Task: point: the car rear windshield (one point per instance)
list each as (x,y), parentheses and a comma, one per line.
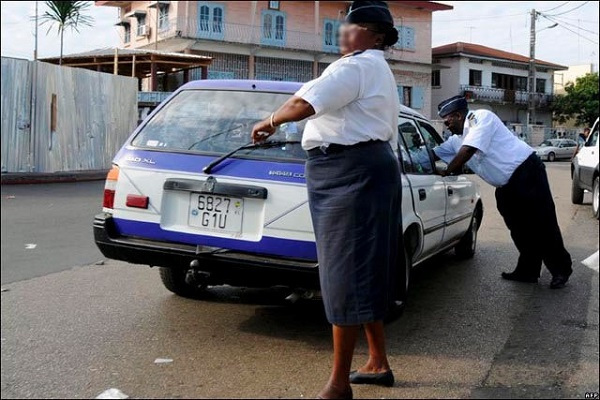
(214,122)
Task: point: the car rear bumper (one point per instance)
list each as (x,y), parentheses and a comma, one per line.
(224,266)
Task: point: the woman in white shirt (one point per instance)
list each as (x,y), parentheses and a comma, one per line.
(354,189)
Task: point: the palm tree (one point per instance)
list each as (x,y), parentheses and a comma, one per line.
(66,14)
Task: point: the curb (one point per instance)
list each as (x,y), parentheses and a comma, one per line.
(22,178)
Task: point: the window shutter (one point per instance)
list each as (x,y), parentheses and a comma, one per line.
(408,38)
(400,94)
(418,94)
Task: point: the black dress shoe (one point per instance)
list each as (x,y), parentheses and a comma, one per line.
(559,281)
(519,277)
(381,379)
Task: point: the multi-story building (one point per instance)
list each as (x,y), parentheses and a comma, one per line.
(495,80)
(276,40)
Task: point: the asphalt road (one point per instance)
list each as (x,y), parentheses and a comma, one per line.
(74,330)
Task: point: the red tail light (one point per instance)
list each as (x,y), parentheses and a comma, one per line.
(109,198)
(137,201)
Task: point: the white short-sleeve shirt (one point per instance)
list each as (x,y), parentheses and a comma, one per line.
(355,100)
(499,151)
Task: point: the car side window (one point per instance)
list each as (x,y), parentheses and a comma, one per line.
(593,138)
(431,136)
(420,157)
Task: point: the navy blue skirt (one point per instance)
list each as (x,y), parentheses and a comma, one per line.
(354,198)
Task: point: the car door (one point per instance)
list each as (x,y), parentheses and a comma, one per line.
(458,191)
(428,188)
(569,148)
(587,159)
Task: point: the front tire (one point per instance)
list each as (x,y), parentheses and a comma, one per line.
(576,191)
(595,200)
(551,157)
(468,244)
(174,280)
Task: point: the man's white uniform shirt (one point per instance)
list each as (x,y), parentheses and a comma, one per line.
(499,152)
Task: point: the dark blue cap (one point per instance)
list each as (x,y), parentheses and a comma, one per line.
(452,104)
(369,12)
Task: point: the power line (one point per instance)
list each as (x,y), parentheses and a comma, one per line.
(577,33)
(555,19)
(572,9)
(554,8)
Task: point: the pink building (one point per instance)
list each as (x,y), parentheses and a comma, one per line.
(276,40)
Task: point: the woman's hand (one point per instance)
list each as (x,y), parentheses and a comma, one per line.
(262,130)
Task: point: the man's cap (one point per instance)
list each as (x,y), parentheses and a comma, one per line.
(452,104)
(369,12)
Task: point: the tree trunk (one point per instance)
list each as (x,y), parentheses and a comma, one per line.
(62,32)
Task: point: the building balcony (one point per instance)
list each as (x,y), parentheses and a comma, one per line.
(486,94)
(245,34)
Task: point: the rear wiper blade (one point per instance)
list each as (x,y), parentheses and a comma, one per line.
(264,145)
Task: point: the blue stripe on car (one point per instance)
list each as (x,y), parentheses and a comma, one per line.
(267,245)
(238,167)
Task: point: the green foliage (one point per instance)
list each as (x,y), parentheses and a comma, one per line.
(579,102)
(66,14)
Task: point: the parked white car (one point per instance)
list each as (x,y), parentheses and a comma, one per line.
(555,149)
(189,194)
(584,171)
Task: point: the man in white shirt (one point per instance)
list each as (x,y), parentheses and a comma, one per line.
(486,146)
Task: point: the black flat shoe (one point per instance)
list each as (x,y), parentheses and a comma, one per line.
(559,281)
(380,379)
(518,277)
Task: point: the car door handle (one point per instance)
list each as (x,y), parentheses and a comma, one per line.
(450,190)
(422,194)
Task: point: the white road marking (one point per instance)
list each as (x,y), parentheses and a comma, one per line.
(112,394)
(592,262)
(163,361)
(30,246)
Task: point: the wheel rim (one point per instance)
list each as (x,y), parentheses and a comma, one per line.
(595,200)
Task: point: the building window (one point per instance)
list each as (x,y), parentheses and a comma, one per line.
(474,77)
(141,25)
(540,86)
(273,28)
(274,5)
(331,37)
(211,19)
(436,78)
(126,33)
(163,16)
(406,38)
(521,83)
(405,95)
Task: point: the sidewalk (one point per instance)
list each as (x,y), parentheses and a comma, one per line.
(16,178)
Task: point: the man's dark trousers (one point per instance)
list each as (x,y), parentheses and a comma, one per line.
(526,205)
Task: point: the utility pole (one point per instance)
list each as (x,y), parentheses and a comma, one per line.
(35,49)
(531,109)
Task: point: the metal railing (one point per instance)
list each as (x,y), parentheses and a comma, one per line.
(244,34)
(494,95)
(152,97)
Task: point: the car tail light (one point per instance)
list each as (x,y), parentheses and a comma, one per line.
(109,188)
(109,198)
(137,201)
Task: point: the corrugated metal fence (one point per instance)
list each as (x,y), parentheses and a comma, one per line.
(80,118)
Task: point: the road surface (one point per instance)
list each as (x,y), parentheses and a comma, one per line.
(71,328)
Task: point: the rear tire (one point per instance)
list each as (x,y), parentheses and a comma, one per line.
(595,199)
(174,281)
(551,157)
(468,244)
(576,191)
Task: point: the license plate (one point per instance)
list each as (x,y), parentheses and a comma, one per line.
(216,213)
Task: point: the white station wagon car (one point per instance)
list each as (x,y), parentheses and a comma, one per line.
(555,149)
(188,193)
